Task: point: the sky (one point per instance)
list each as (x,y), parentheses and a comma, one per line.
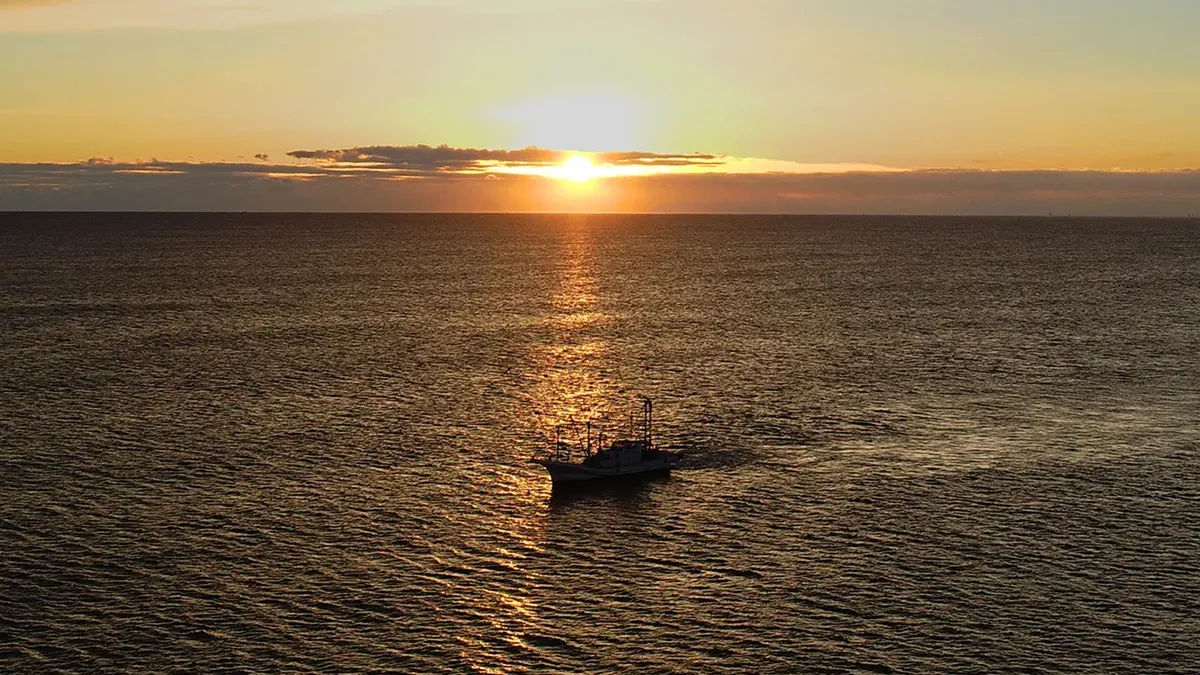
(803,106)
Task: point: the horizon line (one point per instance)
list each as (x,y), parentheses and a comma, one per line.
(1064,216)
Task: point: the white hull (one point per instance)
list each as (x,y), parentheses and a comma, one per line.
(568,472)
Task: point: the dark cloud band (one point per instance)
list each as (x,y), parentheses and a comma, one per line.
(443,178)
(444,158)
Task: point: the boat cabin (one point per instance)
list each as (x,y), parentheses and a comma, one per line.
(621,453)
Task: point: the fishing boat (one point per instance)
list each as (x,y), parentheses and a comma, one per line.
(624,457)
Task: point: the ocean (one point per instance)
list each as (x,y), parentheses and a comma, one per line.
(299,443)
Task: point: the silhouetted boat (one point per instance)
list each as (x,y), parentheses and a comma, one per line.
(622,458)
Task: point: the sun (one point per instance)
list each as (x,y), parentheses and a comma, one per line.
(578,168)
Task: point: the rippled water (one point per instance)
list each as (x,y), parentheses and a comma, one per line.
(297,443)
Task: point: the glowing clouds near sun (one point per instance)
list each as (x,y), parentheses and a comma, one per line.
(426,161)
(433,179)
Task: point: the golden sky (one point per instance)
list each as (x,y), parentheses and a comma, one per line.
(764,86)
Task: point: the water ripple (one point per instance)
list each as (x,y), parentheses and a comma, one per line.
(297,443)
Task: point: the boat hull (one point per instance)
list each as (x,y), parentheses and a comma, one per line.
(566,472)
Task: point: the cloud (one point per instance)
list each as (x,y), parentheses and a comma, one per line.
(444,158)
(427,158)
(657,159)
(422,160)
(443,178)
(940,192)
(100,170)
(262,157)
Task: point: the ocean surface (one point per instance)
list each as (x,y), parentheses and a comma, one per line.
(299,443)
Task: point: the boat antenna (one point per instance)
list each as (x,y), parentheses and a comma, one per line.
(647,408)
(575,430)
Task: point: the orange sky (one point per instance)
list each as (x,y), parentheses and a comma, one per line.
(631,89)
